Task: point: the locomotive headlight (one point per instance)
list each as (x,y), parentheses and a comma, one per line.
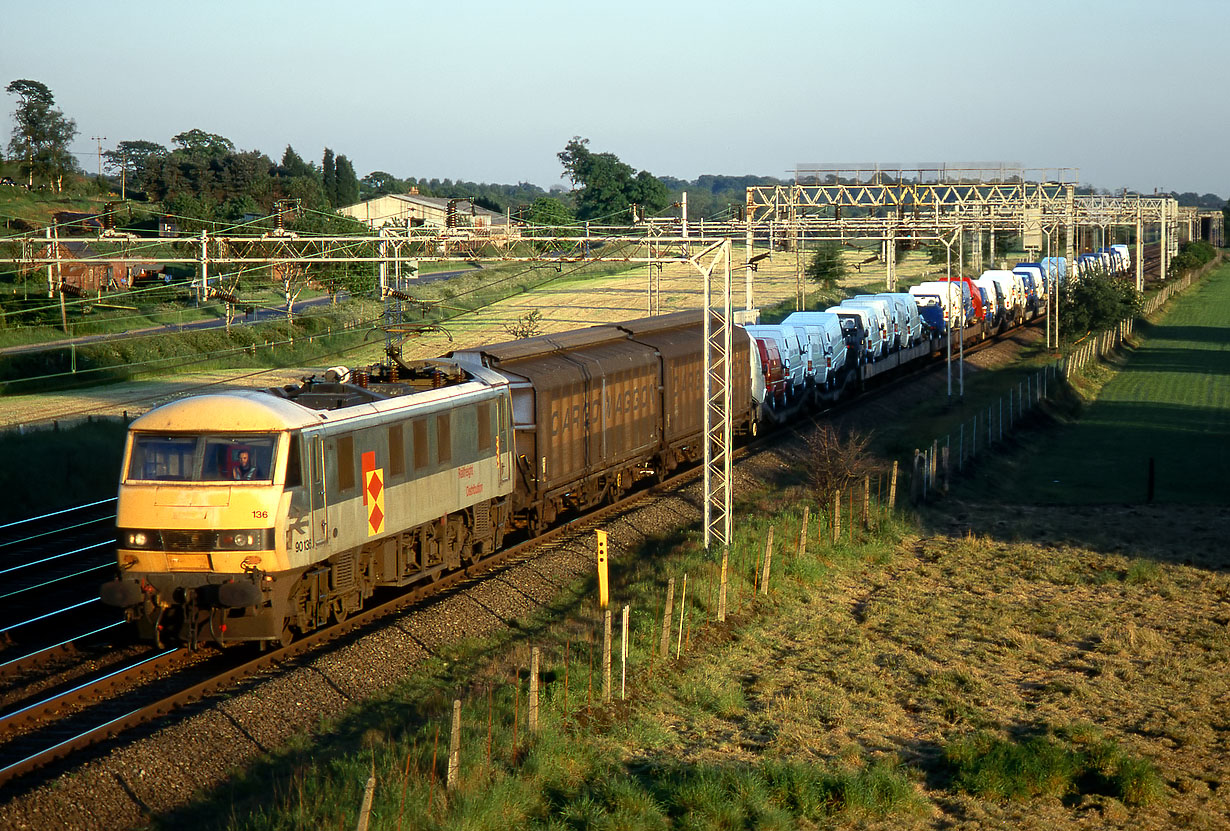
(132,538)
(242,540)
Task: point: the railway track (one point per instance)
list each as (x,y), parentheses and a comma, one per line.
(50,567)
(40,732)
(37,730)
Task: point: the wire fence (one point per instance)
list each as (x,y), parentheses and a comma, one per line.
(585,671)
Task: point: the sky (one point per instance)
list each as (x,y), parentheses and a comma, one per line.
(1131,92)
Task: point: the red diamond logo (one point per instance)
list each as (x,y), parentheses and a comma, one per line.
(374,485)
(376,518)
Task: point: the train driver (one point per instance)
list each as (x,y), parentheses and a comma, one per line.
(243,467)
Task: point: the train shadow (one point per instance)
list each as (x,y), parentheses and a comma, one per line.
(1098,499)
(1174,534)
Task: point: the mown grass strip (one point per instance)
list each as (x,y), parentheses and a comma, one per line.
(1168,401)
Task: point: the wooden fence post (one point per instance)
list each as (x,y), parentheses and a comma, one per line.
(665,645)
(768,559)
(683,611)
(722,587)
(946,473)
(802,549)
(365,808)
(454,746)
(606,656)
(836,515)
(892,489)
(623,658)
(533,716)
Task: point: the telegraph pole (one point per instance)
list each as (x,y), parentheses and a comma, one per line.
(100,140)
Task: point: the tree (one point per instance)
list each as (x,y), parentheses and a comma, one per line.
(132,158)
(202,144)
(42,133)
(1097,301)
(294,165)
(347,183)
(826,266)
(608,186)
(381,182)
(551,213)
(328,177)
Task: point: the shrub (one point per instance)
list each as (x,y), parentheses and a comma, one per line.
(826,266)
(1096,302)
(1043,765)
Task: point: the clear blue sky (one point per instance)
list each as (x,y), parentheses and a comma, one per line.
(1130,91)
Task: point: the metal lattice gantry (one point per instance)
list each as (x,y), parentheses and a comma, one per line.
(399,252)
(718,333)
(892,202)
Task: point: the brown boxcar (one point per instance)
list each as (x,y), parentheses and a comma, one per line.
(679,340)
(587,413)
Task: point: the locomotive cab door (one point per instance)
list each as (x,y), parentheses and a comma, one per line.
(501,431)
(316,488)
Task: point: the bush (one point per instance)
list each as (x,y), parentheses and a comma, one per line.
(1191,257)
(1096,302)
(838,461)
(1079,761)
(826,266)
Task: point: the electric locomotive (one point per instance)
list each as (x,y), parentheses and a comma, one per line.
(253,515)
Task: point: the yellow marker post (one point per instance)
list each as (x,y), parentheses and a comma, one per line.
(603,584)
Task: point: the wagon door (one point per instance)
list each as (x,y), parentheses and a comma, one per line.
(316,488)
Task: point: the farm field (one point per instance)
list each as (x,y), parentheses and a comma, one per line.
(1168,399)
(568,302)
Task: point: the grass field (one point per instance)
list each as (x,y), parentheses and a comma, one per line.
(1168,399)
(919,678)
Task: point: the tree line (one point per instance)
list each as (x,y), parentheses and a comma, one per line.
(202,178)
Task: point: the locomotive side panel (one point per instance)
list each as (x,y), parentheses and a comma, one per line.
(412,467)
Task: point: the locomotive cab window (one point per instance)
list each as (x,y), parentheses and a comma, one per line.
(294,469)
(187,458)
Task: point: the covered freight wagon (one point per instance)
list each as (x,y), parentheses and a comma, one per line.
(586,412)
(679,340)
